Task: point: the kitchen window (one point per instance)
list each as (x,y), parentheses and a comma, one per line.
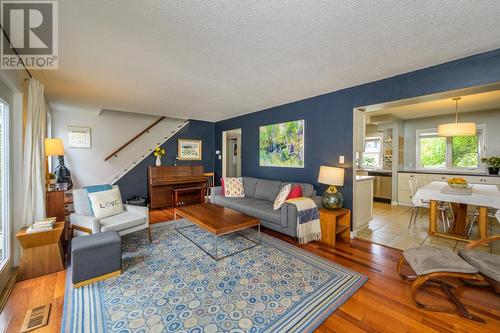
(371,158)
(450,153)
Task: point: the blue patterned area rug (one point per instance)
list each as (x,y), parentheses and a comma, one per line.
(170,285)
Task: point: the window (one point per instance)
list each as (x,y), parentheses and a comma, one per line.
(458,152)
(371,155)
(3,180)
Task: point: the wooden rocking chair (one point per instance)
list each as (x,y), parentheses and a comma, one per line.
(432,263)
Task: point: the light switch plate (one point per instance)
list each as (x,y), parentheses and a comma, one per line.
(341,159)
(217,152)
(220,157)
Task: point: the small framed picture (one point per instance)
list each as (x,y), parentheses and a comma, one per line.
(189,150)
(78,137)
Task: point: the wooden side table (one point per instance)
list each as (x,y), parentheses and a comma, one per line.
(333,223)
(42,252)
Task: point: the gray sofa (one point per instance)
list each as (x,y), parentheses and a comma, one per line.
(259,200)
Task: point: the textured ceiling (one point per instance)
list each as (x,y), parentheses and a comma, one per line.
(213,60)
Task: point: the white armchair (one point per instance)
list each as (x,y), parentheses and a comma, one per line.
(133,218)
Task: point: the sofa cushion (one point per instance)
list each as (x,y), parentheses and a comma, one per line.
(249,184)
(122,221)
(261,209)
(267,189)
(487,263)
(221,200)
(307,189)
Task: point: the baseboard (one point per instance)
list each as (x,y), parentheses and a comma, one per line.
(7,289)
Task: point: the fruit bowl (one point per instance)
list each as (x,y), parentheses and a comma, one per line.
(457,182)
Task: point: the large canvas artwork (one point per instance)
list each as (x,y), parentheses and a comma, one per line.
(282,145)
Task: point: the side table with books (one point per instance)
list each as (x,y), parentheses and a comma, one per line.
(42,249)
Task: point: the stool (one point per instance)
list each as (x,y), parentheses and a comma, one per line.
(431,264)
(95,257)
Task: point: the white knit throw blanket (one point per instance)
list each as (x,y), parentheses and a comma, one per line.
(308,226)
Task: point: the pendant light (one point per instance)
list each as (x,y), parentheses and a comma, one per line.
(456,128)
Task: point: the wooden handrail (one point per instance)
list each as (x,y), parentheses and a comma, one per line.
(133,139)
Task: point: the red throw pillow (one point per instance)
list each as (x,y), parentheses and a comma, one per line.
(295,192)
(223,187)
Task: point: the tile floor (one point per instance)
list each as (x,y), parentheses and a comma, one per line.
(389,226)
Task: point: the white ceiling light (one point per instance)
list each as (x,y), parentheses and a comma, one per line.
(456,128)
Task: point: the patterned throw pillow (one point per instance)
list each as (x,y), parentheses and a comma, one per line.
(295,192)
(233,187)
(282,196)
(106,203)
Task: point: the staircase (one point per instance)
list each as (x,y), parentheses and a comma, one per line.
(141,146)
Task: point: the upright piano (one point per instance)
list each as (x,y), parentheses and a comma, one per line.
(166,183)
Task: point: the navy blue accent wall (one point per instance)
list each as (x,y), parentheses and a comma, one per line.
(328,118)
(135,181)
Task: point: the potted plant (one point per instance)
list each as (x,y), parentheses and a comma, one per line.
(493,164)
(159,152)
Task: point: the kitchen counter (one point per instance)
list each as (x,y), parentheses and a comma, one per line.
(447,172)
(364,178)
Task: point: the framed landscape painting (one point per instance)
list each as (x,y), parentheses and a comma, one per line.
(189,150)
(282,145)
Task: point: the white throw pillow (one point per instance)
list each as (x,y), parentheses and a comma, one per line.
(106,203)
(281,197)
(233,187)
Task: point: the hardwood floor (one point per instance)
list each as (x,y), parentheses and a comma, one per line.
(382,305)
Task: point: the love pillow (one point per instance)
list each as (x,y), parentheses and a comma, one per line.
(106,203)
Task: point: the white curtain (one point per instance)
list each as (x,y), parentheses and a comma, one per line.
(33,155)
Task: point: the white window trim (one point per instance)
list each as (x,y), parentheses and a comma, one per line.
(448,167)
(5,201)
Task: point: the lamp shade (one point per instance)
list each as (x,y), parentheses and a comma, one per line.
(331,176)
(54,147)
(457,129)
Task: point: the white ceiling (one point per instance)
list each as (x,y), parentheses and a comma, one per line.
(469,103)
(213,60)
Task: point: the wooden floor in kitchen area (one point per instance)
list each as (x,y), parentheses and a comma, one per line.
(389,227)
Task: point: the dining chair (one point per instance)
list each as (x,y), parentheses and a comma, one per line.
(443,208)
(210,179)
(491,215)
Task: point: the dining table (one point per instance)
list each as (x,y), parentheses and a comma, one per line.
(482,196)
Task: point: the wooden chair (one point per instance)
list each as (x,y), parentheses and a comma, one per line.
(432,264)
(210,177)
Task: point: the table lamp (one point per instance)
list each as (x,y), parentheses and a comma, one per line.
(53,147)
(333,176)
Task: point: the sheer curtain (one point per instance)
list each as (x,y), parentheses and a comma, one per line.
(33,169)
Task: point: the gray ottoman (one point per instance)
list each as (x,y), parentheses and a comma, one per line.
(95,257)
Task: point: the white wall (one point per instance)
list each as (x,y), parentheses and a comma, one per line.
(489,118)
(109,131)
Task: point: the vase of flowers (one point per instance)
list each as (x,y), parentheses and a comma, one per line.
(493,164)
(159,152)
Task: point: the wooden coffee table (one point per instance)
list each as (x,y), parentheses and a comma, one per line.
(218,221)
